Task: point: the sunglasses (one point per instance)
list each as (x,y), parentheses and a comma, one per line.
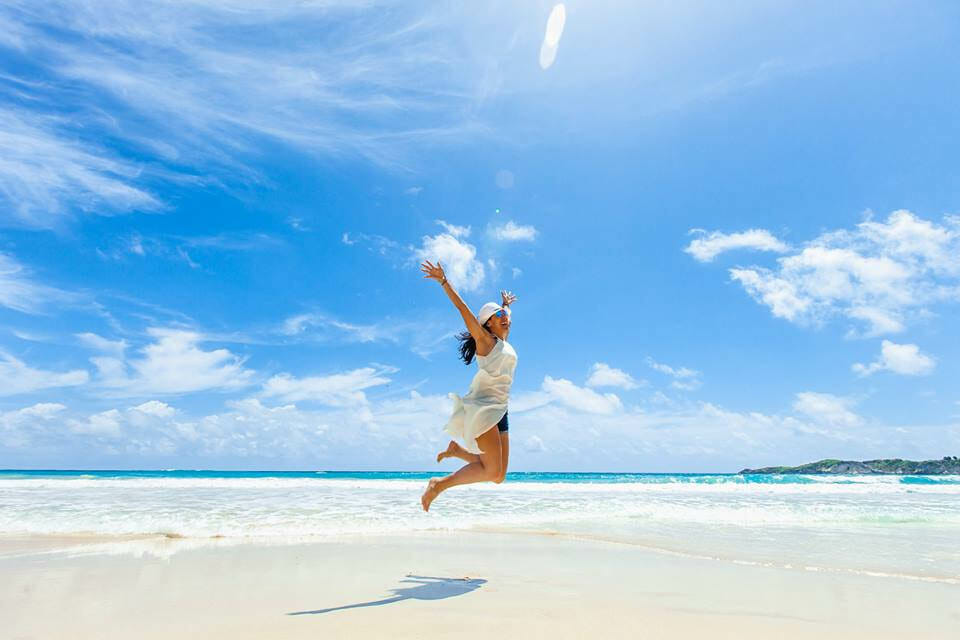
(500,314)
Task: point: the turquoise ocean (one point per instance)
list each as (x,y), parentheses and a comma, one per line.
(899,527)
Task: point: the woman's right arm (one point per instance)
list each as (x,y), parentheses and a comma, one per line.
(484,341)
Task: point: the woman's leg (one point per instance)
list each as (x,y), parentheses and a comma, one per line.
(486,469)
(454,450)
(504,455)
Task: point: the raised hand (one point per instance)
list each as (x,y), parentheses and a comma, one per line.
(433,272)
(508,298)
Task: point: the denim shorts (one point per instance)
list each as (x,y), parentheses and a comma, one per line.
(503,425)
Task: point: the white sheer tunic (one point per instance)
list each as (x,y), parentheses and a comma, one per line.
(486,401)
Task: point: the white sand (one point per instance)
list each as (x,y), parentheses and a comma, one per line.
(528,586)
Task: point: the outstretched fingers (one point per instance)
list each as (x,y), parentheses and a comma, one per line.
(432,271)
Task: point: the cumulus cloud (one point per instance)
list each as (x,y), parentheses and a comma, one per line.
(42,410)
(335,390)
(879,275)
(827,408)
(405,432)
(513,232)
(458,259)
(700,435)
(18,377)
(709,245)
(106,423)
(603,375)
(155,408)
(173,363)
(24,427)
(683,378)
(904,359)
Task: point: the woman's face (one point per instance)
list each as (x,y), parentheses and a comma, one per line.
(499,325)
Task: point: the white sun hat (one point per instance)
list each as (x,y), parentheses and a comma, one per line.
(488,310)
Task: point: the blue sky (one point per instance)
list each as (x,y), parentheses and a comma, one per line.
(732,232)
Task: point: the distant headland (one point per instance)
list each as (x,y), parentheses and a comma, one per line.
(949,465)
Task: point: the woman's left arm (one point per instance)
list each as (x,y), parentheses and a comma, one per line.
(508,299)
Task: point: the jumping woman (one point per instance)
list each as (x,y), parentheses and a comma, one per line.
(479,418)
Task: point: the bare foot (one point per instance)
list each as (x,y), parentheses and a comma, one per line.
(429,493)
(452,450)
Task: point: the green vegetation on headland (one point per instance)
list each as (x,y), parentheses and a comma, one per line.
(949,465)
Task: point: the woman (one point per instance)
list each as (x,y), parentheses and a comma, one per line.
(486,449)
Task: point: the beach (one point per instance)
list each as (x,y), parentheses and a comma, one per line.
(437,585)
(586,566)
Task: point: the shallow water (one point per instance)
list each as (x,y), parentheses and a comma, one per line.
(885,525)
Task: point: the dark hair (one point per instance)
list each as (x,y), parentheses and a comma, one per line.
(468,346)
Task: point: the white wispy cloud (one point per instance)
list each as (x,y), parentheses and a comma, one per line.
(881,274)
(512,232)
(99,343)
(334,390)
(683,378)
(709,245)
(173,363)
(18,377)
(20,291)
(603,375)
(180,248)
(565,393)
(297,224)
(203,85)
(375,243)
(44,174)
(424,336)
(905,359)
(454,230)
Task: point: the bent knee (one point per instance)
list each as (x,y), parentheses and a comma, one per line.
(500,478)
(493,475)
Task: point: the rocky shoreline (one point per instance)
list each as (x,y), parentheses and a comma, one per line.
(949,465)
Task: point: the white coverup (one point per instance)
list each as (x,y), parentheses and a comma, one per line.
(486,401)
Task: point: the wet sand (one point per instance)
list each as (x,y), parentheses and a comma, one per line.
(437,585)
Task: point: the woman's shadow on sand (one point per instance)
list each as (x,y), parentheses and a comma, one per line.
(428,588)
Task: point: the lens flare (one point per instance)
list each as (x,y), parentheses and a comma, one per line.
(551,38)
